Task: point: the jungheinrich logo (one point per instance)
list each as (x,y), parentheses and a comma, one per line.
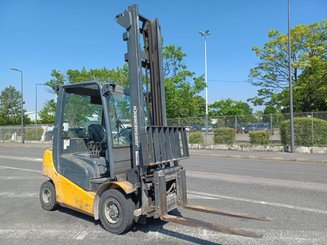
(135,126)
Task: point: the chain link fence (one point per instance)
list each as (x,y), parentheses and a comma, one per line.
(242,124)
(32,133)
(247,123)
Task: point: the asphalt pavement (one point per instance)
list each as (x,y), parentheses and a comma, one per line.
(293,193)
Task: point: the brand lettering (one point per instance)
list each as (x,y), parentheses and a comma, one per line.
(135,126)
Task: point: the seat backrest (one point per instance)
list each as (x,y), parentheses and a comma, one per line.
(97,133)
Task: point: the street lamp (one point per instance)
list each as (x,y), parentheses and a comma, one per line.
(290,79)
(22,104)
(205,34)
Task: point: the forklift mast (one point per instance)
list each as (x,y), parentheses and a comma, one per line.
(153,141)
(154,144)
(149,59)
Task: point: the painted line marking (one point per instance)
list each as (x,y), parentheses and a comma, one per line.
(81,235)
(21,177)
(275,204)
(243,179)
(18,194)
(25,159)
(21,169)
(160,234)
(195,196)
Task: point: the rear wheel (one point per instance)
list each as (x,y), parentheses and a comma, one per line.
(116,211)
(48,196)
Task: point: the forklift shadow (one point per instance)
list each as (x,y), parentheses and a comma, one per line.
(78,215)
(153,225)
(156,225)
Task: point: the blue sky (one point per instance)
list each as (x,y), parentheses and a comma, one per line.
(39,36)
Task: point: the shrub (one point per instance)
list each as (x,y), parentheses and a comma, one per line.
(33,133)
(224,136)
(260,137)
(196,138)
(307,132)
(5,134)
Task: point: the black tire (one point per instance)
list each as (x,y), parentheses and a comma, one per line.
(48,196)
(116,211)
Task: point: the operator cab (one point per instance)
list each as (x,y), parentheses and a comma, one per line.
(95,129)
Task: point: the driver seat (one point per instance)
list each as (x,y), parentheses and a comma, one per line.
(98,135)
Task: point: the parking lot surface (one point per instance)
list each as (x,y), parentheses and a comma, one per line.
(294,194)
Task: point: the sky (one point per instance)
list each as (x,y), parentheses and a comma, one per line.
(39,36)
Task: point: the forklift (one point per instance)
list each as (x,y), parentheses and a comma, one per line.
(113,155)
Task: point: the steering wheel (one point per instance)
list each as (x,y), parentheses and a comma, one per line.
(124,136)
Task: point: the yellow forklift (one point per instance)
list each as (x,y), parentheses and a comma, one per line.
(113,155)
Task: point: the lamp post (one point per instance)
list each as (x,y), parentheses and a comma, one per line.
(22,104)
(205,34)
(290,79)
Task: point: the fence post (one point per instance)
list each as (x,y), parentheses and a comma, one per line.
(271,124)
(312,134)
(35,131)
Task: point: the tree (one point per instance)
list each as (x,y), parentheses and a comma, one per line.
(233,112)
(309,59)
(181,85)
(200,108)
(310,94)
(57,79)
(117,76)
(229,107)
(47,114)
(10,107)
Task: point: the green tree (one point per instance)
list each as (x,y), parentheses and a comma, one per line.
(310,94)
(118,76)
(57,79)
(200,106)
(181,85)
(309,57)
(229,107)
(10,107)
(47,114)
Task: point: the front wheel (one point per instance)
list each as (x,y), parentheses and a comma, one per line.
(116,211)
(48,196)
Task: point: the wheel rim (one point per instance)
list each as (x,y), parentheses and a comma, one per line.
(112,210)
(46,195)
